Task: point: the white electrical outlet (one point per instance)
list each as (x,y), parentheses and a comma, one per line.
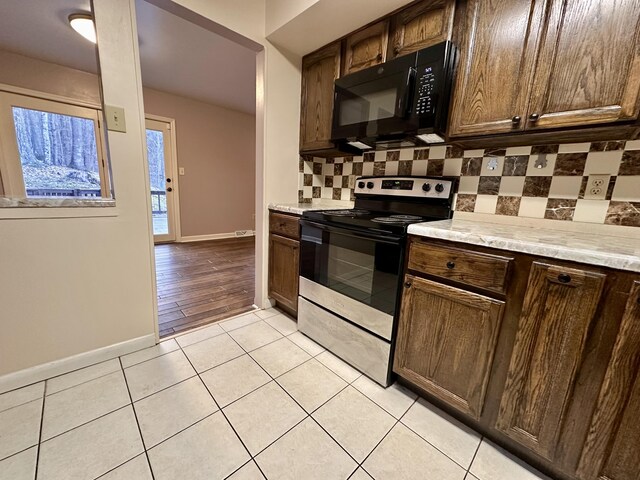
(597,186)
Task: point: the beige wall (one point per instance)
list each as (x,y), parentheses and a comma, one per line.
(71,285)
(216,147)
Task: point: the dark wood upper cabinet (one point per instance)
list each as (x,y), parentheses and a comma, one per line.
(588,68)
(446,342)
(319,72)
(366,48)
(611,448)
(497,52)
(421,25)
(559,306)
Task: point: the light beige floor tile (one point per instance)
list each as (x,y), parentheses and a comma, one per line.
(280,357)
(81,404)
(471,477)
(283,323)
(343,369)
(250,471)
(21,395)
(255,335)
(154,375)
(208,450)
(21,466)
(395,399)
(305,343)
(77,377)
(239,322)
(360,474)
(263,416)
(136,469)
(269,312)
(149,353)
(493,463)
(92,449)
(403,455)
(448,435)
(199,335)
(212,352)
(306,452)
(355,422)
(20,427)
(311,384)
(167,412)
(233,379)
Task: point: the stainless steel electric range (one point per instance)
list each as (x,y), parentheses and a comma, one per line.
(351,264)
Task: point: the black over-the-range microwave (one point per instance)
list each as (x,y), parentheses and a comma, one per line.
(403,102)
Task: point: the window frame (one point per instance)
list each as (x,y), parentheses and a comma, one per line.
(11,175)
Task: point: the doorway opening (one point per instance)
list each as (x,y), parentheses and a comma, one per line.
(199,90)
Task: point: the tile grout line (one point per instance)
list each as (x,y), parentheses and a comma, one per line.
(44,397)
(135,415)
(474,457)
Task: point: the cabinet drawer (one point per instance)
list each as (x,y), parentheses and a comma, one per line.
(464,266)
(285,225)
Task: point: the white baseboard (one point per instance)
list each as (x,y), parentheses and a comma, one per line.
(38,373)
(216,236)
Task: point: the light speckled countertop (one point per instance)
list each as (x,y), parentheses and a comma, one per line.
(316,204)
(622,253)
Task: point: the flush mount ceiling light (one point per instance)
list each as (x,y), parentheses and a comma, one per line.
(83,24)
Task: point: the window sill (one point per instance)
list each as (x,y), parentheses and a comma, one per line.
(56,207)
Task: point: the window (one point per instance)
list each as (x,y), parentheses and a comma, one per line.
(50,149)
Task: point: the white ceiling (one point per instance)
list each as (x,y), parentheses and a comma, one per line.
(176,56)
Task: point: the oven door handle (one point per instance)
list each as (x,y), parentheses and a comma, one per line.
(351,233)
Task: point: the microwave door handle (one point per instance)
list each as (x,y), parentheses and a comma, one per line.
(405,98)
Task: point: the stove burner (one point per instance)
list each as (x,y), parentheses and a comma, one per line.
(346,213)
(408,218)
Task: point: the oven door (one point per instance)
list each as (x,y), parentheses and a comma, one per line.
(354,274)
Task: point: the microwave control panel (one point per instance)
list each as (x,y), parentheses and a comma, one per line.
(425,104)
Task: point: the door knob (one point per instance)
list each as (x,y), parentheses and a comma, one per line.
(169,189)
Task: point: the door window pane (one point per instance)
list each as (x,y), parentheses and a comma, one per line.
(155,155)
(58,154)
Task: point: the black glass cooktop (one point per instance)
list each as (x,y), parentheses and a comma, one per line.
(366,219)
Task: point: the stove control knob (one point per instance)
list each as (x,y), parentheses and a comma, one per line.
(426,187)
(360,184)
(439,188)
(370,185)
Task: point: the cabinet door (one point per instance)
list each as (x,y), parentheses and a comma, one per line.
(446,342)
(424,24)
(284,258)
(366,48)
(497,52)
(558,308)
(611,449)
(319,72)
(589,64)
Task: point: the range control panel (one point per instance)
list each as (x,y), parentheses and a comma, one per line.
(404,186)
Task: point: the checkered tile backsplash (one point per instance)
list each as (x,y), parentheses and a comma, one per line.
(539,182)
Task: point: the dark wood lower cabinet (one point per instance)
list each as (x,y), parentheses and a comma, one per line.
(284,258)
(612,449)
(558,309)
(446,342)
(549,369)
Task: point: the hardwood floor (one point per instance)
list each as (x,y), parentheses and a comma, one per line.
(203,282)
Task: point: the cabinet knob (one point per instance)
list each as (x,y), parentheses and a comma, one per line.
(534,117)
(379,57)
(451,265)
(516,120)
(407,284)
(564,278)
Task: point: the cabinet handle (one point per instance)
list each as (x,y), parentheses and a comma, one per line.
(451,265)
(564,278)
(379,57)
(534,117)
(407,284)
(516,120)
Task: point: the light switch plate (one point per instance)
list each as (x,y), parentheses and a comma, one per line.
(115,119)
(181,171)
